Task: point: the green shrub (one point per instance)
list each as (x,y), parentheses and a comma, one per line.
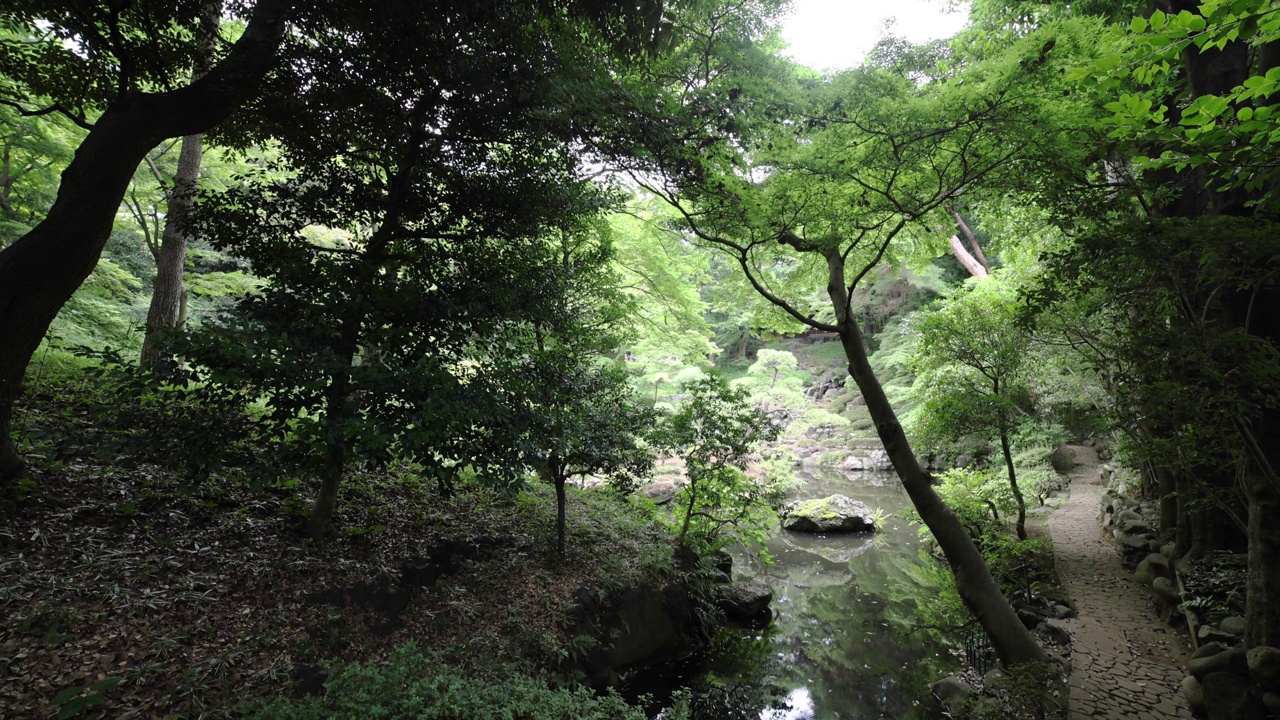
(1030,691)
(413,683)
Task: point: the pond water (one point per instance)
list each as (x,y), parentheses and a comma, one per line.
(848,640)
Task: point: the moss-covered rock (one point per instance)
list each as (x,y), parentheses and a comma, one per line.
(836,513)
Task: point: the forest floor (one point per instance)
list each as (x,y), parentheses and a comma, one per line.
(1126,664)
(125,594)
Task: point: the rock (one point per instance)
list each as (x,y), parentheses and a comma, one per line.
(1228,696)
(1231,661)
(660,491)
(836,513)
(1271,701)
(1127,515)
(1264,666)
(1054,634)
(1164,589)
(1207,650)
(952,692)
(1062,612)
(1131,543)
(1029,619)
(1208,633)
(963,460)
(1151,567)
(1063,458)
(1135,527)
(1168,549)
(745,604)
(1234,625)
(721,560)
(1194,694)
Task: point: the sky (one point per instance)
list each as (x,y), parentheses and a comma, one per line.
(836,34)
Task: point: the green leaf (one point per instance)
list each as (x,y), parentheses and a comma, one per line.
(1138,25)
(72,708)
(66,695)
(105,684)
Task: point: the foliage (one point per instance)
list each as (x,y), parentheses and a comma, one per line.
(1028,690)
(1229,133)
(416,683)
(981,499)
(715,430)
(130,417)
(776,384)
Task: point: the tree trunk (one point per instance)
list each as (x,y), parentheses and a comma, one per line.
(42,269)
(969,262)
(560,512)
(1168,491)
(1182,535)
(165,312)
(1012,642)
(327,499)
(1013,483)
(1262,599)
(974,245)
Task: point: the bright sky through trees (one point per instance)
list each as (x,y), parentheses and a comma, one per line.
(836,34)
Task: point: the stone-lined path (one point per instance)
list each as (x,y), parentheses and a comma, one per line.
(1126,664)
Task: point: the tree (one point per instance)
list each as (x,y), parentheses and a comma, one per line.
(828,188)
(970,365)
(118,66)
(168,298)
(715,430)
(583,420)
(1181,238)
(119,74)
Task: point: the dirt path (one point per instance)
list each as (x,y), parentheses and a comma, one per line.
(1126,664)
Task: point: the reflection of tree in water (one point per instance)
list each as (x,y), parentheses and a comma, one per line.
(847,642)
(740,680)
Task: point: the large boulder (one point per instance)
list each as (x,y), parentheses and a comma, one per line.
(745,604)
(1228,696)
(952,692)
(1234,625)
(660,491)
(1152,567)
(836,513)
(1228,661)
(1194,694)
(1264,666)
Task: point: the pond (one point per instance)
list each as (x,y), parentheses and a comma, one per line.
(849,640)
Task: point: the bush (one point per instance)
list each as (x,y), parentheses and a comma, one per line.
(1030,691)
(137,416)
(416,684)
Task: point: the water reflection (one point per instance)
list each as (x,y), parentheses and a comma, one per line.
(846,641)
(799,707)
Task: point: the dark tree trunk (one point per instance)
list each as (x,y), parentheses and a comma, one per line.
(560,512)
(1262,599)
(40,272)
(1011,640)
(1168,492)
(336,404)
(1183,536)
(1013,484)
(165,314)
